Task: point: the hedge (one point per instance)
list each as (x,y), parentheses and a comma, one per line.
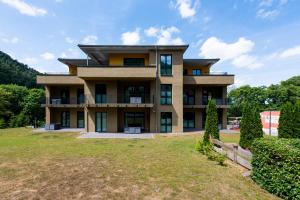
(276,166)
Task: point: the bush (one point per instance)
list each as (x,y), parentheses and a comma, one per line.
(276,166)
(211,122)
(251,126)
(220,158)
(286,121)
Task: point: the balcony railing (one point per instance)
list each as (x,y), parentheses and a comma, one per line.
(61,102)
(219,101)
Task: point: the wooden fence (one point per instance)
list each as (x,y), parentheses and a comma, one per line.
(234,153)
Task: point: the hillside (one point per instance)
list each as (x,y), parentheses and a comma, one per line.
(14,72)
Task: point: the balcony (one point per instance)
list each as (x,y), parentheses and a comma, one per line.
(58,79)
(57,102)
(209,79)
(220,102)
(132,102)
(117,72)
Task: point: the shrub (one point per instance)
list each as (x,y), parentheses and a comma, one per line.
(211,122)
(286,121)
(219,158)
(296,132)
(251,126)
(276,166)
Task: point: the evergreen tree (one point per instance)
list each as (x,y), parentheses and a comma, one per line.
(286,121)
(211,123)
(251,126)
(296,130)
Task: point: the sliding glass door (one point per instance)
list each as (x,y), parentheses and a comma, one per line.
(101,122)
(80,119)
(65,119)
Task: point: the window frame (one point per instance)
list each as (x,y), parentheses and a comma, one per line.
(188,120)
(103,96)
(134,64)
(164,124)
(164,70)
(188,96)
(165,99)
(196,70)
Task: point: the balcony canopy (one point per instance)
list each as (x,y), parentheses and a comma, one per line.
(200,62)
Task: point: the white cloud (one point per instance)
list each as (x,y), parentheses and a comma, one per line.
(13,40)
(131,38)
(213,47)
(69,40)
(264,14)
(165,35)
(90,39)
(266,3)
(295,51)
(48,56)
(186,8)
(237,53)
(25,8)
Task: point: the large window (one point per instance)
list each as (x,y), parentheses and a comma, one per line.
(65,96)
(80,119)
(80,96)
(196,72)
(189,96)
(134,62)
(166,94)
(166,64)
(134,119)
(101,122)
(134,91)
(189,120)
(100,93)
(65,119)
(166,122)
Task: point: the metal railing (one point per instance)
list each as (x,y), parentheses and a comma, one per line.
(62,101)
(211,74)
(102,99)
(219,101)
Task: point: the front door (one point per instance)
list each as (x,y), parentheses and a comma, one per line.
(101,122)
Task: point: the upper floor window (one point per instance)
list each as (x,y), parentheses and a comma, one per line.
(166,64)
(166,94)
(189,96)
(196,72)
(134,62)
(185,72)
(100,93)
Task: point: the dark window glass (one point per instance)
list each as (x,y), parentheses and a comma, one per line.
(166,122)
(101,122)
(65,96)
(65,119)
(185,72)
(134,91)
(135,62)
(189,96)
(100,93)
(134,119)
(196,72)
(189,120)
(166,65)
(80,96)
(80,119)
(165,94)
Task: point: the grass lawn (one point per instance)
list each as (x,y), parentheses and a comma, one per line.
(60,166)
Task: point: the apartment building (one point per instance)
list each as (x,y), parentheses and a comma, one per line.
(135,89)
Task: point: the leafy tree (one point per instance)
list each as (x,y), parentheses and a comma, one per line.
(297,120)
(286,121)
(211,123)
(251,126)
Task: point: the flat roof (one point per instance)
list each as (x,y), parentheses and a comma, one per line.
(78,62)
(200,62)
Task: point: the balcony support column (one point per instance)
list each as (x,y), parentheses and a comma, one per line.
(224,118)
(48,115)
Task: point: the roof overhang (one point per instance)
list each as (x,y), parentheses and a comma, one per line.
(200,62)
(78,62)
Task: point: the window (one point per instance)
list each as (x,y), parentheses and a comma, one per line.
(185,72)
(196,72)
(135,62)
(101,122)
(134,119)
(166,122)
(80,119)
(166,65)
(165,94)
(65,119)
(189,96)
(100,93)
(134,91)
(189,120)
(65,96)
(80,96)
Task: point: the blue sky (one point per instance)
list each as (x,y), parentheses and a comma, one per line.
(257,40)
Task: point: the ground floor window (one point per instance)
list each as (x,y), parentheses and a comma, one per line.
(80,119)
(189,120)
(101,122)
(65,119)
(166,122)
(134,119)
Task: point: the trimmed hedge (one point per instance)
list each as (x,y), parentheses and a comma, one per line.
(276,166)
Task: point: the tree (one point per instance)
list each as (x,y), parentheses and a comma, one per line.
(251,126)
(297,120)
(286,121)
(211,122)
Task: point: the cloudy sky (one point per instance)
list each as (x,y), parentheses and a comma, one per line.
(257,40)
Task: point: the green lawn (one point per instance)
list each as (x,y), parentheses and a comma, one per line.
(60,166)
